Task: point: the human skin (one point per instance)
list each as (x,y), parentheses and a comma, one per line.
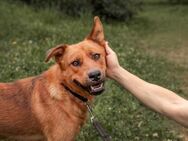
(157,98)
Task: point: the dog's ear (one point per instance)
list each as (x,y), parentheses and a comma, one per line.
(56,52)
(97,34)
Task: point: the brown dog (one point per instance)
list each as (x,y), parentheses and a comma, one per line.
(44,107)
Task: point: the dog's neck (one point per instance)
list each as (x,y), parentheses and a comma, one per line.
(53,82)
(56,86)
(63,98)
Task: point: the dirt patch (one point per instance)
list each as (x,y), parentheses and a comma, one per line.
(179,56)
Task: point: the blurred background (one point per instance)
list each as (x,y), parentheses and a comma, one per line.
(149,36)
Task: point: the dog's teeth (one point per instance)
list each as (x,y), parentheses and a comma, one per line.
(97,87)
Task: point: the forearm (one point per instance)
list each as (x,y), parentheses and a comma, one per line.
(157,98)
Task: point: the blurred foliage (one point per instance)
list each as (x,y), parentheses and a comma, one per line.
(122,10)
(178,1)
(74,8)
(116,9)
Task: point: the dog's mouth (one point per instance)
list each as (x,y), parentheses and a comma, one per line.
(96,89)
(93,88)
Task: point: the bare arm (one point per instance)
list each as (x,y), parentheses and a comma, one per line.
(157,98)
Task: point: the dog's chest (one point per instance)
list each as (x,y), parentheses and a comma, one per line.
(67,103)
(60,115)
(36,137)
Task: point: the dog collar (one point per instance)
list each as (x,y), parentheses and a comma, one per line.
(83,99)
(102,132)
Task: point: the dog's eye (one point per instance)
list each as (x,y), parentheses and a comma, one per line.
(76,63)
(95,56)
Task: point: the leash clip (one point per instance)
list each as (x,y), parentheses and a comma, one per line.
(90,111)
(102,132)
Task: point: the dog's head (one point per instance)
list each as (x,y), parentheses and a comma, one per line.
(83,65)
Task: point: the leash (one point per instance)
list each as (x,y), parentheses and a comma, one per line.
(101,131)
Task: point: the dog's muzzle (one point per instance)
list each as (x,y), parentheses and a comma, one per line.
(96,82)
(93,88)
(96,88)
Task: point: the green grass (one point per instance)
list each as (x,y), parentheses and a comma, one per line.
(26,35)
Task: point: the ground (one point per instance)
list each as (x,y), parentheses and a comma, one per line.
(167,38)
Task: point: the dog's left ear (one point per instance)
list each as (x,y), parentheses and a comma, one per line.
(56,52)
(97,34)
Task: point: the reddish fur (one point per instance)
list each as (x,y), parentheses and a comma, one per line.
(40,105)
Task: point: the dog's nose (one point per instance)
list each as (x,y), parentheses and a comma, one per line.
(94,75)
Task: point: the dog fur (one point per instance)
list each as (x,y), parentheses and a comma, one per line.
(39,107)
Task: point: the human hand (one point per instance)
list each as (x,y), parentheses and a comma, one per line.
(112,61)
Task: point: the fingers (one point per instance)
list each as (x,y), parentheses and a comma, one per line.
(108,49)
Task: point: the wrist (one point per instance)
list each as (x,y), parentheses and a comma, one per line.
(115,73)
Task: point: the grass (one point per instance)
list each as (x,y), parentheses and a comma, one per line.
(167,36)
(142,46)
